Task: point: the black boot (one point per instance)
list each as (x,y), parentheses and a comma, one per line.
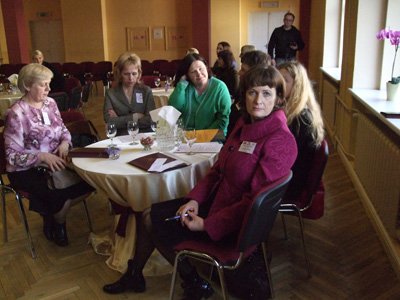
(48,226)
(195,287)
(132,280)
(60,234)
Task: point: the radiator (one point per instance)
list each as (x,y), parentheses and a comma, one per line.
(377,164)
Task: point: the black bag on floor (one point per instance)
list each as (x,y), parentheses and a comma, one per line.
(250,280)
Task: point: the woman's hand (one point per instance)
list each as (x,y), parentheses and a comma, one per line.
(54,162)
(191,206)
(193,222)
(62,150)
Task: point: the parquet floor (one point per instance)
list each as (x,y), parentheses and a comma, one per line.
(347,258)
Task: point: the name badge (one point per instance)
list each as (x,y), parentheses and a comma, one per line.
(46,119)
(139,98)
(247,147)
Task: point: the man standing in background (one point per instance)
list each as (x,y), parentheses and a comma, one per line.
(285,41)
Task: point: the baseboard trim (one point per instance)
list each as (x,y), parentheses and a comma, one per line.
(389,244)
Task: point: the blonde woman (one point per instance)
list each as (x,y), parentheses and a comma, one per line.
(304,120)
(129,99)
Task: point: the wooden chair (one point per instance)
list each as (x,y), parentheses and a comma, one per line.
(255,229)
(309,202)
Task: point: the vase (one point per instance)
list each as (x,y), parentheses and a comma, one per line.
(393,91)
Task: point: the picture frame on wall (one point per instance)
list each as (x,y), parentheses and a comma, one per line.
(177,38)
(158,38)
(137,38)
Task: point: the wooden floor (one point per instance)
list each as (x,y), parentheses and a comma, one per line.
(347,258)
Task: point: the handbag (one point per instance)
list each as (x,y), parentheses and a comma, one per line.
(63,179)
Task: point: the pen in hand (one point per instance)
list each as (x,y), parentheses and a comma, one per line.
(175,218)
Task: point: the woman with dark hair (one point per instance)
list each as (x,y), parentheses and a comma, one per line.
(226,72)
(261,149)
(129,99)
(248,59)
(204,101)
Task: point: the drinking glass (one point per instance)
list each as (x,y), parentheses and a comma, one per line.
(168,80)
(153,126)
(190,138)
(133,130)
(111,132)
(157,82)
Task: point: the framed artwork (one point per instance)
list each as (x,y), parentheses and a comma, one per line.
(177,38)
(137,38)
(158,38)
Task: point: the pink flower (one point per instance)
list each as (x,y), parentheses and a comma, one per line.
(394,38)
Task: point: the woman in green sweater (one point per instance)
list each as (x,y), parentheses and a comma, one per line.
(203,101)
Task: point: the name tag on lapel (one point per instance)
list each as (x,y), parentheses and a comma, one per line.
(247,147)
(139,98)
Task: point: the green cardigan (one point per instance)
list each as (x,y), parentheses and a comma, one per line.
(210,110)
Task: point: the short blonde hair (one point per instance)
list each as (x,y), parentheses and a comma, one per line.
(192,50)
(32,73)
(36,53)
(125,59)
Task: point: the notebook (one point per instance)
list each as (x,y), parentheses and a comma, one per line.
(157,163)
(89,152)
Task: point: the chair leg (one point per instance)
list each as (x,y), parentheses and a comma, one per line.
(303,242)
(173,280)
(265,255)
(88,215)
(24,219)
(222,282)
(4,214)
(284,226)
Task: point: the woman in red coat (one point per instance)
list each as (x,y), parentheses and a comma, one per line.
(259,151)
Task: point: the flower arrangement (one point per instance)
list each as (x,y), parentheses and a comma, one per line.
(394,37)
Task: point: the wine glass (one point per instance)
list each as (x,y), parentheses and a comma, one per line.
(111,132)
(157,81)
(133,130)
(153,126)
(190,138)
(168,80)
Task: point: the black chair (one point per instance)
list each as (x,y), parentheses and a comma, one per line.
(309,203)
(255,229)
(61,99)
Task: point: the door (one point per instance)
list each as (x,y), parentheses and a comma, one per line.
(48,37)
(261,25)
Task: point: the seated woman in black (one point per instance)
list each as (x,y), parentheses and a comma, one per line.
(304,120)
(226,72)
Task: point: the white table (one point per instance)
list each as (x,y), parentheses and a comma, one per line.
(6,100)
(129,186)
(161,96)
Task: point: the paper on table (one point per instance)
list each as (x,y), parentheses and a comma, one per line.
(211,147)
(158,161)
(123,139)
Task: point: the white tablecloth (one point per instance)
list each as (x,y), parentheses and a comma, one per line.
(138,189)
